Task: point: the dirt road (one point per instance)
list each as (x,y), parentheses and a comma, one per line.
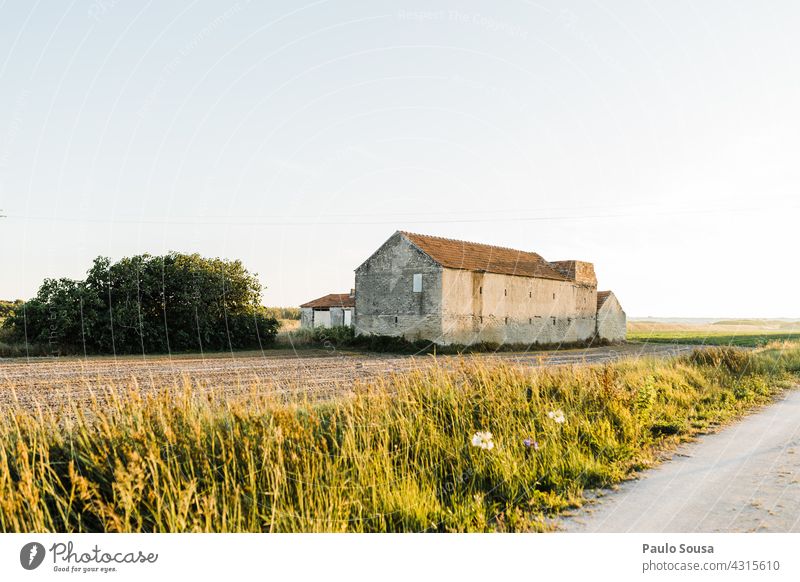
(745,478)
(318,374)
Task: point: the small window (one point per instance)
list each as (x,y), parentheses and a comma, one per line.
(480,290)
(395,319)
(530,320)
(506,321)
(554,295)
(554,321)
(480,319)
(530,293)
(417,283)
(505,291)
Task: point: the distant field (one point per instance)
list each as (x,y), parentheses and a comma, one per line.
(289,324)
(730,333)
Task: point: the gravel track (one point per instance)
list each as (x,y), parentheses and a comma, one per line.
(745,478)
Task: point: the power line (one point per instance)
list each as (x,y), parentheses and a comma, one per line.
(291,221)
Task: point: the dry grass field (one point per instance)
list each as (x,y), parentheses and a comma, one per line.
(313,374)
(730,332)
(455,444)
(333,440)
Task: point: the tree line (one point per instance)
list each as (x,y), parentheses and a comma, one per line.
(147,304)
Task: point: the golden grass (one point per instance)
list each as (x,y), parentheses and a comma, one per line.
(288,325)
(396,456)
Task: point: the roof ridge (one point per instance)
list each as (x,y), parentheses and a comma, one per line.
(456,240)
(474,256)
(333,300)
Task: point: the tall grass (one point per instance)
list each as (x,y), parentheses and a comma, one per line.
(396,456)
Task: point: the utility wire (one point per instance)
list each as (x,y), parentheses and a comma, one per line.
(291,221)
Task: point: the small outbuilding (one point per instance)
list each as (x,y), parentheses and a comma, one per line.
(611,319)
(335,309)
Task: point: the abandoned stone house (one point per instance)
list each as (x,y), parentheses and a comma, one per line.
(334,309)
(457,292)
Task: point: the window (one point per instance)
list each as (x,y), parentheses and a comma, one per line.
(395,319)
(530,320)
(480,290)
(417,283)
(530,293)
(505,292)
(554,295)
(480,319)
(506,321)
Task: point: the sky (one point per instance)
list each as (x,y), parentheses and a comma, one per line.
(658,140)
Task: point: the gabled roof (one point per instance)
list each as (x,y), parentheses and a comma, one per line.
(332,300)
(470,256)
(602,296)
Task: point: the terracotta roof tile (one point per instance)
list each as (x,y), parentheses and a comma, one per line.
(470,256)
(601,298)
(332,300)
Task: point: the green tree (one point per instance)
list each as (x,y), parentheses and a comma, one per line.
(8,307)
(147,304)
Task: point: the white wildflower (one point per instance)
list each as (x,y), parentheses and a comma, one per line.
(557,416)
(483,440)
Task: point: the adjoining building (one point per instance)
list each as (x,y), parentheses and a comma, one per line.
(335,309)
(611,323)
(458,292)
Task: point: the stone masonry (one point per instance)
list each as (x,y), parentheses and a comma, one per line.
(457,292)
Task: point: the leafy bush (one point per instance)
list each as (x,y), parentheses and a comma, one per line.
(337,335)
(8,307)
(344,337)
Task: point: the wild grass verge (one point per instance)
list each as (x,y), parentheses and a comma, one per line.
(479,446)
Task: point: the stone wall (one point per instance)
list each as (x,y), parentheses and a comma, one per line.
(306,317)
(577,271)
(385,301)
(489,307)
(466,307)
(611,321)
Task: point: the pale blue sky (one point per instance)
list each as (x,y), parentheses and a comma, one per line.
(659,140)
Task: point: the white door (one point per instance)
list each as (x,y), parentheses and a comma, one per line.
(348,317)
